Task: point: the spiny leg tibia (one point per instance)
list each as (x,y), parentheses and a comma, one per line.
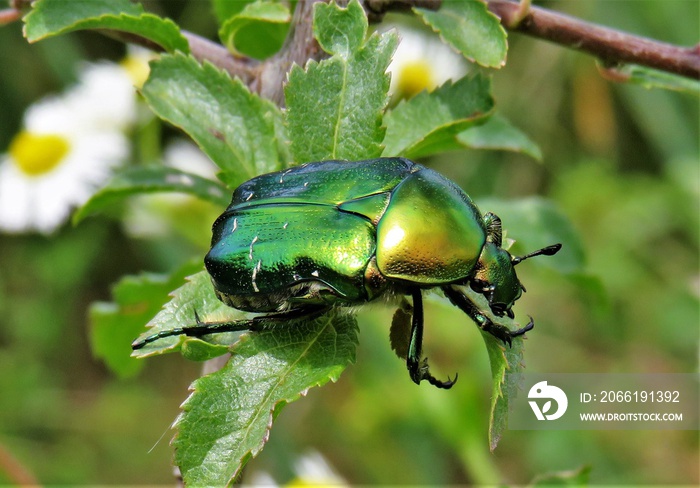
(254,324)
(418,368)
(461,301)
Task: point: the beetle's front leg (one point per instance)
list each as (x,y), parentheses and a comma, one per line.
(418,369)
(463,302)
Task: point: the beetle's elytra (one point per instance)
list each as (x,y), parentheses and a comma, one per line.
(294,243)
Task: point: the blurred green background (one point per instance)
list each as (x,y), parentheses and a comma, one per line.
(621,162)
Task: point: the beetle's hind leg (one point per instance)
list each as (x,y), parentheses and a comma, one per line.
(253,324)
(417,367)
(463,302)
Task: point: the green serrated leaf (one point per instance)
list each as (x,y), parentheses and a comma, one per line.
(498,133)
(506,368)
(227,418)
(430,122)
(151,179)
(469,27)
(334,107)
(53,17)
(258,30)
(535,223)
(234,127)
(196,295)
(340,31)
(506,364)
(114,325)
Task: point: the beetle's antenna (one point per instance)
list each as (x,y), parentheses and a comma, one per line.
(547,251)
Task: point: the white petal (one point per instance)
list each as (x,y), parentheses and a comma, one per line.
(185,156)
(15,199)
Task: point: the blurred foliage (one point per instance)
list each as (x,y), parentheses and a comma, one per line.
(620,161)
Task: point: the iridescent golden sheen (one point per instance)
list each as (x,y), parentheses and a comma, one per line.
(431,233)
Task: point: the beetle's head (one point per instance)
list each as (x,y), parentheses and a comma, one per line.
(495,276)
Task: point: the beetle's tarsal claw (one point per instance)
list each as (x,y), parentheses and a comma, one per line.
(530,325)
(424,374)
(446,385)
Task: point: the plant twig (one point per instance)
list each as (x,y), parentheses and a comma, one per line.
(9,15)
(299,48)
(205,50)
(611,46)
(267,77)
(377,8)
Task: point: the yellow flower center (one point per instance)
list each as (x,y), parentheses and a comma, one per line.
(36,154)
(414,77)
(136,68)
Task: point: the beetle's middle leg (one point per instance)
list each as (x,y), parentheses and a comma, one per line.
(417,367)
(253,324)
(463,302)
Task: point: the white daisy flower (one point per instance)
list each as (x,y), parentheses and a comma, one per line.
(422,62)
(311,469)
(66,150)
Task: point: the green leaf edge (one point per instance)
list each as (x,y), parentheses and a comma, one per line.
(421,12)
(171,40)
(197,385)
(119,188)
(270,111)
(245,18)
(416,148)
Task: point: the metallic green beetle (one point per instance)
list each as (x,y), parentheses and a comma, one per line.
(294,243)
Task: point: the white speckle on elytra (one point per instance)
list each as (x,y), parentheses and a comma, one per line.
(250,254)
(283,175)
(255,275)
